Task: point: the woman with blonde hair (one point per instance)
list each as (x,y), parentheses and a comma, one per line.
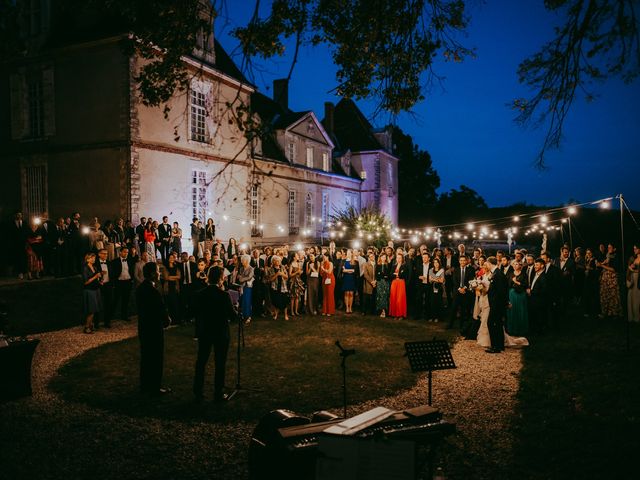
(92,278)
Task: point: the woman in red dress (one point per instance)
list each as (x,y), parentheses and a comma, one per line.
(328,287)
(398,295)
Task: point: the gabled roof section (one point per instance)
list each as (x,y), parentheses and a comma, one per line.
(226,65)
(351,129)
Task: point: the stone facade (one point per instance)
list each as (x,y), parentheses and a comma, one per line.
(106,154)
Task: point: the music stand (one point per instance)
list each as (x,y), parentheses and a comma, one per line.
(428,356)
(235,301)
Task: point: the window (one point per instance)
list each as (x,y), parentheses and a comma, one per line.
(254,210)
(390,177)
(198,116)
(310,157)
(308,210)
(36,107)
(325,161)
(325,209)
(291,153)
(351,200)
(293,217)
(34,190)
(199,201)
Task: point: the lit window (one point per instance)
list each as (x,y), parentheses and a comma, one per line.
(325,161)
(198,116)
(293,220)
(308,209)
(199,203)
(310,157)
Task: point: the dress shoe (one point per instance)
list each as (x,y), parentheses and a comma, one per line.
(492,350)
(164,391)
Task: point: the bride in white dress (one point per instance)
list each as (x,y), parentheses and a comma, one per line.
(481,311)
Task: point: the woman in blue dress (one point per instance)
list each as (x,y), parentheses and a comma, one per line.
(349,281)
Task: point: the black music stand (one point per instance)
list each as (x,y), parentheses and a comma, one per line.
(428,356)
(235,300)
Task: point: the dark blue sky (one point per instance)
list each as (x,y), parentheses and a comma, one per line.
(467,127)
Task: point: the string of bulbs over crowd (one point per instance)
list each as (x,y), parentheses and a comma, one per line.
(539,222)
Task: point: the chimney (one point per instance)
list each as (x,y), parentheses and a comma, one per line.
(328,117)
(281,92)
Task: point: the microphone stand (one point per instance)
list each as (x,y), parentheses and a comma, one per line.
(344,353)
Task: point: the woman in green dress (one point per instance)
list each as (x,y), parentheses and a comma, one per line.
(517,315)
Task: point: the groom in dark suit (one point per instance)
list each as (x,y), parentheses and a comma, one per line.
(462,295)
(498,301)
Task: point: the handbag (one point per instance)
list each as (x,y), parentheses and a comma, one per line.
(327,281)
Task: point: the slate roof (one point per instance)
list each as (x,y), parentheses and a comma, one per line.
(351,130)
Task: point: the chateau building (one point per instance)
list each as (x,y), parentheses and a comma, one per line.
(76,137)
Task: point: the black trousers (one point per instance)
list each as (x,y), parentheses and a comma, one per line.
(106,312)
(423,301)
(462,303)
(220,350)
(122,294)
(151,363)
(496,328)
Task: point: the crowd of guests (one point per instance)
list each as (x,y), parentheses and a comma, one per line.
(400,282)
(496,300)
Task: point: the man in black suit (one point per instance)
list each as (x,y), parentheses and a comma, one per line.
(17,237)
(152,320)
(164,236)
(214,311)
(423,289)
(553,285)
(529,269)
(498,301)
(57,238)
(538,298)
(140,234)
(106,290)
(122,271)
(567,269)
(188,271)
(462,296)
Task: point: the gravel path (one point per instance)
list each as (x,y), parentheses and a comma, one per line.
(478,396)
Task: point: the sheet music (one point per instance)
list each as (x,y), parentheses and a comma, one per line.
(360,422)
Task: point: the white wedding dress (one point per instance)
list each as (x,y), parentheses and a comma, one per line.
(481,310)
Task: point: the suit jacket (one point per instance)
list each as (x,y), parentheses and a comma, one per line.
(115,268)
(498,292)
(140,234)
(553,281)
(566,272)
(539,297)
(469,274)
(369,277)
(529,274)
(214,311)
(152,313)
(193,268)
(164,231)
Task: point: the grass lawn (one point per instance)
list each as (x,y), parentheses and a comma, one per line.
(579,403)
(293,365)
